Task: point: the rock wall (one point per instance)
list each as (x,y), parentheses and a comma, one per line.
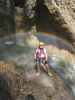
(61,13)
(7,17)
(64,16)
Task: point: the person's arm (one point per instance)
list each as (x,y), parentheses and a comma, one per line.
(35,54)
(46,54)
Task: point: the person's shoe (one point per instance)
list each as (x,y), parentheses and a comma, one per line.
(50,74)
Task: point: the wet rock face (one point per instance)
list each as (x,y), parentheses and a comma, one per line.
(16,86)
(7,17)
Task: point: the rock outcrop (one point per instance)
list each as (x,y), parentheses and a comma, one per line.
(64,16)
(61,15)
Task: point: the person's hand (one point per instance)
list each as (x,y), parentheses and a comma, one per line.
(34,58)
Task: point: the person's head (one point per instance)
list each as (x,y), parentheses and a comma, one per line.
(41,45)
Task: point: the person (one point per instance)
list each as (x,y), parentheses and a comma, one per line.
(41,55)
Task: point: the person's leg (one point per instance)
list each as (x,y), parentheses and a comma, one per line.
(43,66)
(48,69)
(38,66)
(46,65)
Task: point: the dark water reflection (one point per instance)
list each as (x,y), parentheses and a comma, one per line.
(53,40)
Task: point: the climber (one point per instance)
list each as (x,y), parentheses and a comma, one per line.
(41,56)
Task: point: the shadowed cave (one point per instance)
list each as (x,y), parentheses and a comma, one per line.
(45,22)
